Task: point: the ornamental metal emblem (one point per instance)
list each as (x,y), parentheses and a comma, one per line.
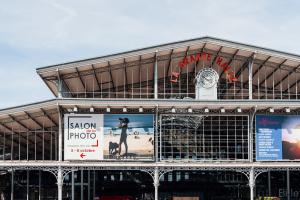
(207,78)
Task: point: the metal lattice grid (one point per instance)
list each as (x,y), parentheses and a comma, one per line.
(204,137)
(29,145)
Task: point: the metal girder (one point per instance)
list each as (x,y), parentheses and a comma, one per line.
(20,123)
(34,120)
(269,75)
(215,58)
(230,61)
(10,129)
(111,78)
(24,126)
(125,74)
(154,71)
(169,64)
(47,115)
(244,66)
(177,165)
(63,82)
(140,75)
(298,81)
(80,78)
(261,65)
(256,71)
(17,144)
(185,55)
(41,127)
(201,51)
(223,89)
(290,72)
(96,77)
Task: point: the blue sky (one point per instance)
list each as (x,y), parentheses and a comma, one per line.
(37,33)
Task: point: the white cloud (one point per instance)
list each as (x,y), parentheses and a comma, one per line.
(34,33)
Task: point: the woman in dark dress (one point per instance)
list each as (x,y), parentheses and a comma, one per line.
(123,138)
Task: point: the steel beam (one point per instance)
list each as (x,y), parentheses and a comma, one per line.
(244,66)
(198,61)
(63,83)
(126,79)
(80,78)
(112,80)
(269,75)
(96,78)
(230,61)
(256,71)
(217,55)
(48,116)
(290,73)
(169,63)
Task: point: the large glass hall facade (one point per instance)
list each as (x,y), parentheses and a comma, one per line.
(203,149)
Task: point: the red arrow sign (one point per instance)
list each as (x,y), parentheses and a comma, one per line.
(82,155)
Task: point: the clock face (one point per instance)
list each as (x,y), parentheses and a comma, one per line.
(207,78)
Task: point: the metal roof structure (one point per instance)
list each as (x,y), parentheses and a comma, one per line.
(101,74)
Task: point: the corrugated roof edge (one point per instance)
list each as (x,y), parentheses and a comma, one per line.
(4,110)
(208,38)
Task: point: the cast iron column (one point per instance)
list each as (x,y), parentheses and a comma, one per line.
(251,183)
(59,183)
(288,192)
(156,183)
(250,67)
(59,173)
(12,185)
(73,197)
(155,77)
(27,184)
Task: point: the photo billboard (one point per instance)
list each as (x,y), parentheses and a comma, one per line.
(277,137)
(83,135)
(129,136)
(108,137)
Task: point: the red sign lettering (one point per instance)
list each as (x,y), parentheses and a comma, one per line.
(204,57)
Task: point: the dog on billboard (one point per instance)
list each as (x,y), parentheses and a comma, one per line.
(123,137)
(113,148)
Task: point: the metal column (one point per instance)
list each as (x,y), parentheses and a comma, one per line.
(59,134)
(94,184)
(59,82)
(269,183)
(156,135)
(27,184)
(73,185)
(251,183)
(89,185)
(81,185)
(155,77)
(12,185)
(59,172)
(156,183)
(250,134)
(40,180)
(250,67)
(59,183)
(288,190)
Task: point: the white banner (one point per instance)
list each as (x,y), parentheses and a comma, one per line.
(83,137)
